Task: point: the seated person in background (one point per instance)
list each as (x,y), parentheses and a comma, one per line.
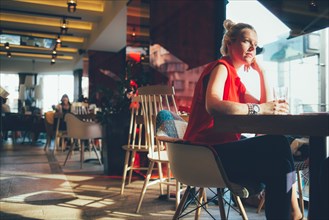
(63,107)
(83,99)
(5,107)
(259,160)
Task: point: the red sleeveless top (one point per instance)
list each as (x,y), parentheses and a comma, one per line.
(200,127)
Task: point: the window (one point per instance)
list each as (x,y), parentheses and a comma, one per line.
(10,83)
(296,63)
(54,86)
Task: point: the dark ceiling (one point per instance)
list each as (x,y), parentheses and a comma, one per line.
(301,16)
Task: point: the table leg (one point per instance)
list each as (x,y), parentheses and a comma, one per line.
(318,153)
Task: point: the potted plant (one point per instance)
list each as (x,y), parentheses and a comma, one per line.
(115,117)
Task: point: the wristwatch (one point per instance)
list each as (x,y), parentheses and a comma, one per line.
(253,109)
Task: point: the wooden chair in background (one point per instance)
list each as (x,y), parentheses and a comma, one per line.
(154,99)
(300,166)
(49,127)
(136,141)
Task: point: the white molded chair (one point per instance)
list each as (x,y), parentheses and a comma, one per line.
(200,166)
(154,99)
(136,141)
(82,130)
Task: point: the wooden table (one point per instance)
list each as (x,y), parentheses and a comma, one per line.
(315,125)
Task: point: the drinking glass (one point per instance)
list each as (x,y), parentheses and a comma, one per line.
(280,94)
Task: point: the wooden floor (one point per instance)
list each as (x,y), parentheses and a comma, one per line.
(35,185)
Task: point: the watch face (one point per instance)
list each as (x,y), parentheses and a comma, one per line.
(256,108)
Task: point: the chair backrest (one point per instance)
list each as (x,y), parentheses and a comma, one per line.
(200,166)
(154,99)
(83,130)
(137,134)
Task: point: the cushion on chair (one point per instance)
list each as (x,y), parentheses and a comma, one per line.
(170,124)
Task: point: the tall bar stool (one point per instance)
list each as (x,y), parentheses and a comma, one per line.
(136,141)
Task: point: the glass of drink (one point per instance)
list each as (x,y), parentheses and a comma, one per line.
(280,94)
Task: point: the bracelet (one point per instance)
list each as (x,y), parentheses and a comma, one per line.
(253,109)
(250,109)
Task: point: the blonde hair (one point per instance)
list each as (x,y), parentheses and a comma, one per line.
(232,30)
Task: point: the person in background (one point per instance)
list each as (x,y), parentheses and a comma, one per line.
(252,161)
(65,105)
(83,99)
(62,108)
(5,107)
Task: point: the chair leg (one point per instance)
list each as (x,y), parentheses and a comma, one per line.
(168,181)
(146,181)
(221,204)
(47,145)
(95,150)
(160,176)
(178,186)
(205,198)
(182,203)
(82,153)
(300,192)
(241,207)
(125,169)
(56,142)
(198,210)
(68,154)
(90,146)
(64,144)
(131,165)
(261,204)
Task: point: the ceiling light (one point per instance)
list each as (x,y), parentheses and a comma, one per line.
(53,61)
(313,5)
(54,51)
(71,5)
(7,46)
(64,25)
(8,54)
(58,41)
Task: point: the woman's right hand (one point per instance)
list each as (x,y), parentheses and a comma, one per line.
(274,108)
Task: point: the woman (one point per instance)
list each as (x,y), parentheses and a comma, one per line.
(263,159)
(63,108)
(65,105)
